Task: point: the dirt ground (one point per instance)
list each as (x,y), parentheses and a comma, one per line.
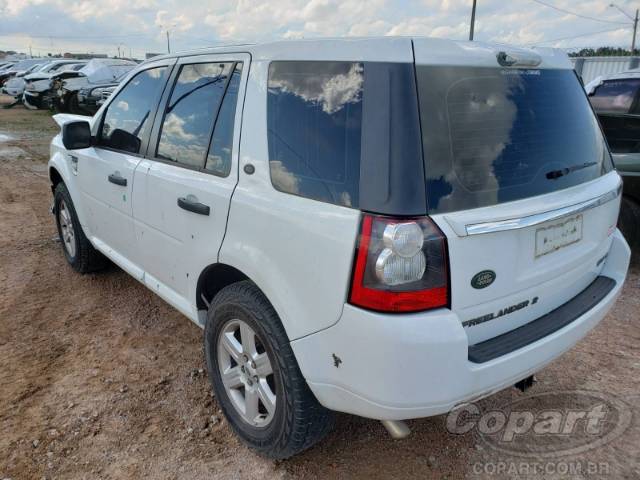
(100,379)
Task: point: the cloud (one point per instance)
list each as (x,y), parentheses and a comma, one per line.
(333,89)
(173,128)
(84,25)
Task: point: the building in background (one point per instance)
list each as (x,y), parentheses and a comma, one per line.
(590,68)
(83,56)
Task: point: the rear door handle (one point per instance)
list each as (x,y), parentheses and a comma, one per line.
(117,179)
(194,206)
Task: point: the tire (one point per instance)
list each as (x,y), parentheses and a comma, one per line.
(73,106)
(298,421)
(76,247)
(629,221)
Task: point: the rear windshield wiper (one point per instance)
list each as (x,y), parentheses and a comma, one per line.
(553,174)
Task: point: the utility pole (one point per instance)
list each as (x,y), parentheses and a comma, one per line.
(635,29)
(473,21)
(635,24)
(169,45)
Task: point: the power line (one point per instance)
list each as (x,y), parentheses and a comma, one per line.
(21,34)
(578,36)
(578,14)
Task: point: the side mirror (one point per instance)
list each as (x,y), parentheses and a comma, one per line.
(76,135)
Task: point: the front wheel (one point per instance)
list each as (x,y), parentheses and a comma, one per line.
(256,378)
(76,247)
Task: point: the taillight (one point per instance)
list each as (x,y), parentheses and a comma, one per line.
(401,265)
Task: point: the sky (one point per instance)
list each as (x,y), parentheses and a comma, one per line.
(139,26)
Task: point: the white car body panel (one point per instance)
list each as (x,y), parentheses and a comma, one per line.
(412,366)
(296,245)
(300,252)
(554,278)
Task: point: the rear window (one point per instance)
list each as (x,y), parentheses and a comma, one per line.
(497,135)
(616,96)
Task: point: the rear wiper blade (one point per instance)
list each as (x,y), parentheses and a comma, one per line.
(553,174)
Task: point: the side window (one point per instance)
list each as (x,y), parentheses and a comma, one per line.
(191,113)
(615,96)
(127,117)
(314,121)
(219,156)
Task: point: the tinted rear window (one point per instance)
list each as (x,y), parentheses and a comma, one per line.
(615,96)
(497,135)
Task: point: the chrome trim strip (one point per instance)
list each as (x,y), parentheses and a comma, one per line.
(531,220)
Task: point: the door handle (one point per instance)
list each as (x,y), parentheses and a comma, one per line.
(193,206)
(117,179)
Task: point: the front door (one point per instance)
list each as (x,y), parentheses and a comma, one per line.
(106,171)
(183,189)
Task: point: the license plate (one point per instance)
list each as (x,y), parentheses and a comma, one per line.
(560,234)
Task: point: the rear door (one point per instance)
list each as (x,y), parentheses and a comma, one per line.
(183,189)
(105,171)
(519,178)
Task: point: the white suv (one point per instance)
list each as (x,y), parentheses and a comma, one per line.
(385,227)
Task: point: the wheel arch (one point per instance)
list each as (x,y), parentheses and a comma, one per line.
(55,177)
(214,278)
(60,172)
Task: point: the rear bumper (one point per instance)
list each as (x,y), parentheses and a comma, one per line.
(394,367)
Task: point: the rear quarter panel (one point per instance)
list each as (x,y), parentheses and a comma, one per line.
(298,251)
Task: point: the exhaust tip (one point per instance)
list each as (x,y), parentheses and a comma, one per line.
(396,428)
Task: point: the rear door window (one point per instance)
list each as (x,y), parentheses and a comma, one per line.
(220,150)
(191,112)
(616,96)
(497,135)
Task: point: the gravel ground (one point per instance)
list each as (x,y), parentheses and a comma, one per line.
(100,379)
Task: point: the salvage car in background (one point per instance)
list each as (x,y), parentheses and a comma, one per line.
(14,86)
(616,100)
(19,67)
(38,88)
(91,97)
(96,72)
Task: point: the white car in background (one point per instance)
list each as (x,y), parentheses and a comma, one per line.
(14,86)
(38,85)
(18,67)
(98,71)
(384,227)
(47,69)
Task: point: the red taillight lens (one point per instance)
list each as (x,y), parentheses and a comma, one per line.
(401,265)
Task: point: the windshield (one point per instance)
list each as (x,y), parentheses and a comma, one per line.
(497,135)
(24,64)
(60,67)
